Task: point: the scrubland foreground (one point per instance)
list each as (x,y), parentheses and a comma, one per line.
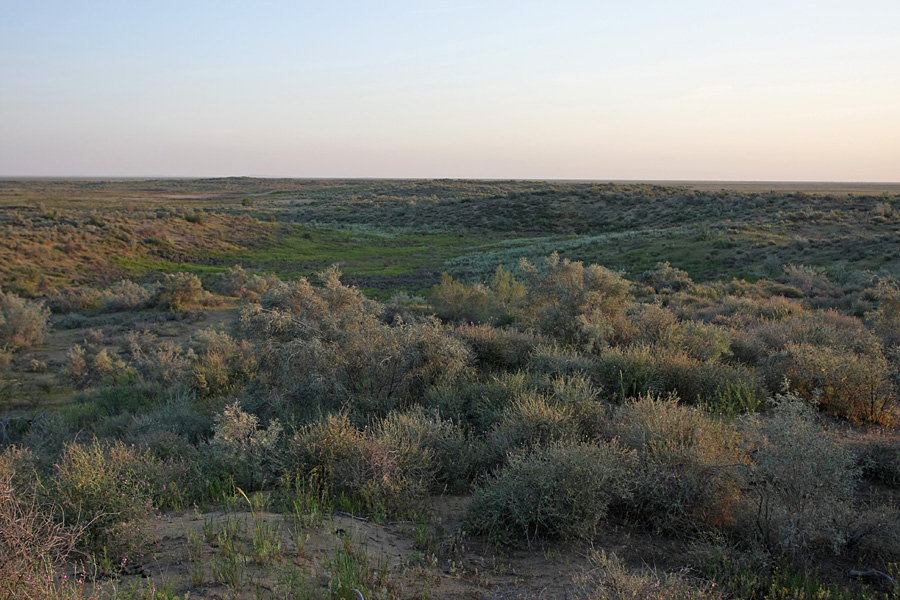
(699,402)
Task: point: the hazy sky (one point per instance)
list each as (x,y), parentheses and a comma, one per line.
(713,89)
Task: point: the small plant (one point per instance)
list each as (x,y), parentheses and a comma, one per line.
(610,579)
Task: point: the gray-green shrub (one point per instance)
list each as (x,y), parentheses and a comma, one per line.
(23,323)
(562,491)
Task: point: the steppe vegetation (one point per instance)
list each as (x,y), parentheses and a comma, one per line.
(248,388)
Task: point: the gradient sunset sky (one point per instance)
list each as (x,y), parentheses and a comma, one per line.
(676,90)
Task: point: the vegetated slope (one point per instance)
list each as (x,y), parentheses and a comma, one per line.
(389,235)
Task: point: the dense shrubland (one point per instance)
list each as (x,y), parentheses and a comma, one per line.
(747,418)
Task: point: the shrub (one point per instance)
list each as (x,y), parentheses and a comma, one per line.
(423,441)
(624,373)
(178,291)
(220,364)
(125,295)
(666,278)
(111,489)
(32,545)
(802,483)
(22,323)
(844,383)
(72,299)
(554,360)
(164,362)
(562,491)
(332,344)
(381,475)
(236,282)
(886,318)
(476,303)
(575,304)
(494,348)
(241,450)
(530,421)
(812,281)
(87,366)
(688,464)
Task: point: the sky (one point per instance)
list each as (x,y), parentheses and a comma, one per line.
(758,90)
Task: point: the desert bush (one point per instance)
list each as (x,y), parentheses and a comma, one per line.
(575,304)
(494,348)
(561,491)
(32,544)
(235,281)
(801,482)
(220,364)
(843,383)
(329,343)
(111,489)
(126,295)
(886,318)
(479,404)
(629,372)
(72,299)
(22,323)
(477,303)
(608,578)
(878,457)
(812,281)
(178,291)
(88,365)
(164,362)
(688,474)
(381,475)
(242,451)
(755,340)
(436,447)
(403,308)
(532,420)
(458,302)
(554,360)
(666,278)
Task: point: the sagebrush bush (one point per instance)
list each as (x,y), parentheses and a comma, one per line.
(845,384)
(689,465)
(575,304)
(666,278)
(236,282)
(532,420)
(89,365)
(178,291)
(220,364)
(126,295)
(112,489)
(381,474)
(22,323)
(555,360)
(32,544)
(886,318)
(802,482)
(420,438)
(494,348)
(243,451)
(562,491)
(329,343)
(164,362)
(455,301)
